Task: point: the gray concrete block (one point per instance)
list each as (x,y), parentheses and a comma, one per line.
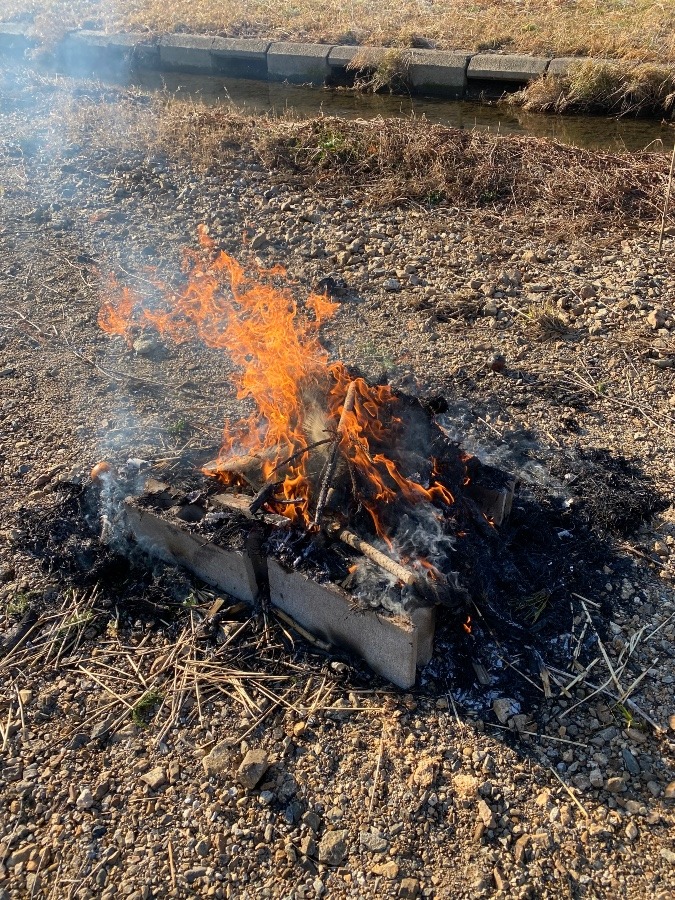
(341,56)
(232,571)
(240,48)
(14,38)
(87,49)
(393,646)
(495,67)
(240,57)
(563,64)
(298,63)
(439,72)
(187,53)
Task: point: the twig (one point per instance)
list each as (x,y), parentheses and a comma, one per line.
(574,798)
(347,408)
(376,776)
(666,203)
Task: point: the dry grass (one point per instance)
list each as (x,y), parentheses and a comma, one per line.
(635,29)
(391,160)
(617,89)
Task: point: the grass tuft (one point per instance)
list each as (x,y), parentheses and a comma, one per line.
(613,88)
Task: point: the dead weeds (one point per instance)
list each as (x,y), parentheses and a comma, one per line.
(392,160)
(622,89)
(641,29)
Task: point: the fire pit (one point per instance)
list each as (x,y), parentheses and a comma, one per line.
(342,503)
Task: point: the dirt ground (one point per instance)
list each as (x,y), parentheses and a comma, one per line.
(550,343)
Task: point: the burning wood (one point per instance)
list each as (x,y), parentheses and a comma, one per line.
(331,465)
(386,483)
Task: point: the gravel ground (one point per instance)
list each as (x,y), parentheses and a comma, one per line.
(546,342)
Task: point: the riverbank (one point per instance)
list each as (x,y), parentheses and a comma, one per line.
(642,30)
(517,278)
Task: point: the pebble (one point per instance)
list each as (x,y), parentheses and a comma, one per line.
(253,767)
(373,841)
(333,847)
(85,799)
(155,778)
(219,760)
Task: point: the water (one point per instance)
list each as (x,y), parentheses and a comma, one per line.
(595,133)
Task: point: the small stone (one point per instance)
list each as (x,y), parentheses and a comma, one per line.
(486,815)
(155,778)
(218,760)
(409,889)
(192,875)
(669,792)
(312,821)
(202,847)
(671,723)
(393,285)
(497,363)
(308,846)
(596,778)
(587,291)
(426,771)
(85,799)
(520,847)
(500,883)
(668,855)
(504,708)
(373,841)
(615,785)
(333,847)
(252,768)
(657,318)
(631,831)
(258,241)
(465,785)
(145,346)
(388,869)
(630,762)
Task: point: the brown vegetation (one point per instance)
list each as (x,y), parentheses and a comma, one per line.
(393,160)
(603,87)
(641,29)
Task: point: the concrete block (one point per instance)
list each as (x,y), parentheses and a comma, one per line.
(89,49)
(495,67)
(439,72)
(393,646)
(240,48)
(495,503)
(563,64)
(341,56)
(233,571)
(240,57)
(14,38)
(298,63)
(187,53)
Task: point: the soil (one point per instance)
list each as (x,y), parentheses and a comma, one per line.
(132,696)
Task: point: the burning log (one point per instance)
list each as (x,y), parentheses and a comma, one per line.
(408,578)
(327,480)
(248,467)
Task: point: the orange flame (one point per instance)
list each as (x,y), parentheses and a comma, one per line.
(282,365)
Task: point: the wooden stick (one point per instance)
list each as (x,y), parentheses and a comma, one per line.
(666,203)
(381,559)
(377,771)
(347,407)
